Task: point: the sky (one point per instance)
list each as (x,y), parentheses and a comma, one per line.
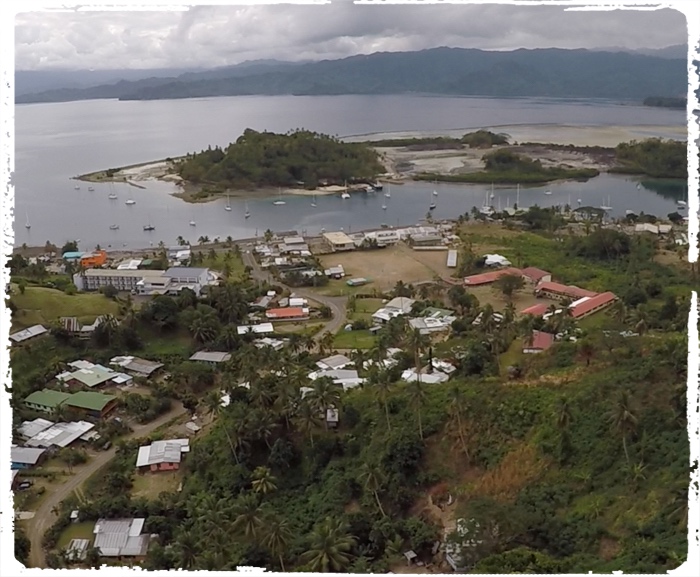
(209,36)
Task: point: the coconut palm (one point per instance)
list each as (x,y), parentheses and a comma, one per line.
(248,520)
(330,547)
(417,397)
(381,381)
(416,342)
(623,418)
(372,479)
(456,409)
(263,481)
(325,394)
(325,343)
(187,548)
(306,419)
(277,537)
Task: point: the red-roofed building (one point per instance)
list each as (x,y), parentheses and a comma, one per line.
(558,291)
(593,305)
(541,341)
(535,310)
(287,314)
(536,275)
(489,277)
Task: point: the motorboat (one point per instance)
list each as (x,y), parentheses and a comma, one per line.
(193,223)
(130,202)
(548,192)
(113,227)
(90,188)
(345,196)
(113,197)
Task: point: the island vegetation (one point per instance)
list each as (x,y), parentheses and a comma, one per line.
(505,166)
(266,159)
(653,157)
(666,101)
(477,139)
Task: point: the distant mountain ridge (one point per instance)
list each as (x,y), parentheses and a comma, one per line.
(548,72)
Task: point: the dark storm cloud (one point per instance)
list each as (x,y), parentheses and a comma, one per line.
(215,36)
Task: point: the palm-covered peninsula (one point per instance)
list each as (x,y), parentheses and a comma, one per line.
(267,159)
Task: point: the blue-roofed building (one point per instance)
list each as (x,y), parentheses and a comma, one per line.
(73,255)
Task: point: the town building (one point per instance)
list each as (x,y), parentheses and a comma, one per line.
(539,342)
(424,376)
(287,314)
(347,378)
(92,404)
(95,279)
(62,435)
(72,255)
(338,241)
(428,325)
(394,308)
(46,400)
(534,275)
(334,362)
(121,538)
(136,366)
(28,333)
(536,310)
(211,357)
(95,259)
(490,277)
(162,455)
(590,305)
(558,291)
(87,374)
(259,329)
(25,457)
(29,429)
(77,549)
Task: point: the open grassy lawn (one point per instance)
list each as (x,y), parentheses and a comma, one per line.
(340,288)
(490,295)
(156,344)
(354,340)
(384,267)
(40,305)
(308,329)
(76,531)
(234,262)
(150,485)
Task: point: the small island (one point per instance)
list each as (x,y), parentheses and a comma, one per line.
(304,163)
(666,102)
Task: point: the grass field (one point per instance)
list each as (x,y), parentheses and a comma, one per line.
(150,485)
(156,344)
(76,531)
(354,340)
(217,264)
(490,295)
(40,305)
(308,329)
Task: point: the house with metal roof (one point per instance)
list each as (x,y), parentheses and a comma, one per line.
(61,434)
(211,357)
(338,241)
(25,457)
(46,400)
(334,362)
(259,329)
(394,308)
(347,378)
(136,366)
(92,403)
(538,342)
(162,455)
(28,333)
(87,374)
(121,537)
(29,429)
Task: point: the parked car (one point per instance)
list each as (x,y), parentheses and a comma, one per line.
(24,485)
(107,445)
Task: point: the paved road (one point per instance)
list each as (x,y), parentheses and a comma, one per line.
(336,304)
(44,518)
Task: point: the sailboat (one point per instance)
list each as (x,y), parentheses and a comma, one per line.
(492,194)
(77,187)
(432,205)
(345,194)
(149,226)
(113,196)
(90,188)
(247,212)
(279,202)
(606,206)
(548,192)
(388,192)
(435,192)
(486,209)
(193,223)
(517,196)
(228,203)
(130,201)
(27,225)
(313,201)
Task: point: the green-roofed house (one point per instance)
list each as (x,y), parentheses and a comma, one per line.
(91,403)
(46,401)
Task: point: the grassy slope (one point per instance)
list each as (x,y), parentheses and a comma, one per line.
(43,305)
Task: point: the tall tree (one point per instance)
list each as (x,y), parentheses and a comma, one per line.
(330,547)
(623,418)
(277,536)
(372,479)
(417,397)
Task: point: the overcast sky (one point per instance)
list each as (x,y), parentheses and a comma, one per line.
(217,36)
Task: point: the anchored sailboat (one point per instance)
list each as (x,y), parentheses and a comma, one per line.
(247,212)
(149,226)
(313,201)
(279,202)
(606,206)
(27,225)
(228,203)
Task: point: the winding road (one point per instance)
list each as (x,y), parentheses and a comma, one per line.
(44,518)
(336,304)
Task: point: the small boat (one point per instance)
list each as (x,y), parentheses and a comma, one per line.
(385,225)
(606,206)
(193,223)
(113,197)
(130,202)
(639,185)
(432,206)
(548,192)
(578,200)
(369,188)
(228,204)
(279,202)
(682,203)
(377,186)
(76,187)
(435,192)
(148,227)
(492,194)
(345,196)
(113,227)
(313,201)
(27,225)
(90,188)
(247,212)
(384,206)
(629,212)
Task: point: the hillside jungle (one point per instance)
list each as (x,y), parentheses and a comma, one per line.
(572,460)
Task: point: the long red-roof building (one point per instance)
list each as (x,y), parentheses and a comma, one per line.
(541,341)
(489,277)
(592,305)
(558,291)
(287,314)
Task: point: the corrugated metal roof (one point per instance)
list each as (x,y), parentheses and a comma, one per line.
(210,356)
(169,451)
(60,434)
(28,333)
(120,537)
(25,455)
(28,429)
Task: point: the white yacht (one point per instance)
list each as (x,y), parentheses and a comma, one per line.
(279,202)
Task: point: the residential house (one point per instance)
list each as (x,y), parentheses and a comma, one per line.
(451,258)
(536,310)
(347,378)
(211,357)
(490,277)
(92,404)
(87,374)
(429,378)
(497,317)
(262,302)
(535,275)
(77,549)
(394,308)
(429,325)
(539,342)
(61,435)
(28,333)
(558,291)
(136,366)
(338,241)
(46,400)
(121,538)
(72,256)
(95,259)
(130,264)
(495,260)
(276,344)
(25,457)
(162,455)
(29,429)
(334,362)
(288,314)
(335,272)
(195,279)
(259,329)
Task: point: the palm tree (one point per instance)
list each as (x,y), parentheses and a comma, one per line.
(586,350)
(456,408)
(325,343)
(263,481)
(417,397)
(624,419)
(381,380)
(277,537)
(247,517)
(330,547)
(187,548)
(325,394)
(416,342)
(372,478)
(306,419)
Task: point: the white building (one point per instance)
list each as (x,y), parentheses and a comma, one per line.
(121,537)
(349,379)
(334,362)
(394,308)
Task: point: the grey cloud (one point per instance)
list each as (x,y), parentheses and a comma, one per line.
(217,36)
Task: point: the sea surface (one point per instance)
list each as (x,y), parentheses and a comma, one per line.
(57,141)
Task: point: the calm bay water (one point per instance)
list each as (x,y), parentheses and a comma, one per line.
(57,141)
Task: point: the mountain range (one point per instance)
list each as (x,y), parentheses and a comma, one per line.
(550,72)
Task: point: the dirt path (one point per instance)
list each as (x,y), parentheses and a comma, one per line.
(336,304)
(44,518)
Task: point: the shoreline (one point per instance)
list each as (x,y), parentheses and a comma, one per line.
(403,163)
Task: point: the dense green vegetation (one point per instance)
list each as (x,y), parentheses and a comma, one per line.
(300,157)
(666,102)
(548,72)
(505,166)
(654,157)
(477,139)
